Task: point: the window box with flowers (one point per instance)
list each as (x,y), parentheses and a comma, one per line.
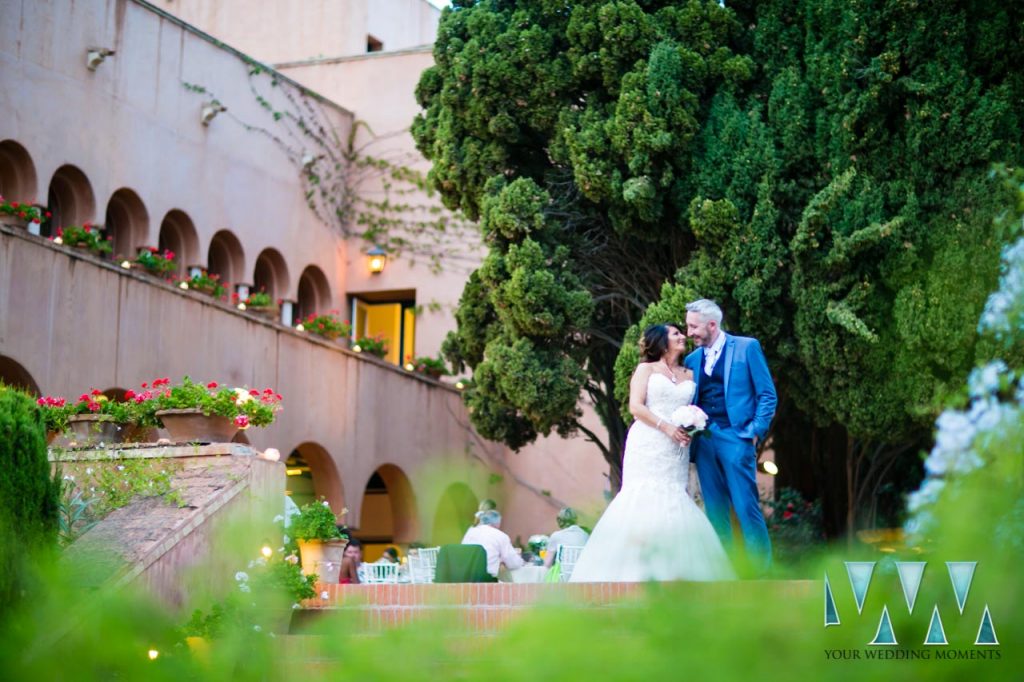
(95,418)
(321,542)
(204,283)
(327,325)
(85,237)
(259,303)
(375,345)
(19,213)
(193,412)
(434,368)
(156,263)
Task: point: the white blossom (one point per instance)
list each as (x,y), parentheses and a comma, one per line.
(927,495)
(241,576)
(324,595)
(278,519)
(984,381)
(244,587)
(257,628)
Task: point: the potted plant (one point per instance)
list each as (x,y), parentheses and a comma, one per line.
(434,368)
(194,412)
(87,237)
(19,213)
(55,413)
(374,345)
(95,418)
(204,283)
(321,543)
(327,325)
(156,263)
(259,303)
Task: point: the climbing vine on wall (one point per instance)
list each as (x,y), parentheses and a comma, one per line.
(380,199)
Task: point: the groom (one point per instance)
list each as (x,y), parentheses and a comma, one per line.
(735,389)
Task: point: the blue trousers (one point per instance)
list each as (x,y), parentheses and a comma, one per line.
(727,466)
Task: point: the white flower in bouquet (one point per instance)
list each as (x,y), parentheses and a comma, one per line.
(689,417)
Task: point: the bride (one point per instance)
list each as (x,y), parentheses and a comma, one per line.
(653,530)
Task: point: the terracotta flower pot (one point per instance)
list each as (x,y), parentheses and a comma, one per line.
(269,311)
(13,221)
(192,426)
(322,558)
(90,429)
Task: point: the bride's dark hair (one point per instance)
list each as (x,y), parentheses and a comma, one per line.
(654,342)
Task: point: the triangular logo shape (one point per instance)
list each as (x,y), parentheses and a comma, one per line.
(885,636)
(831,613)
(910,580)
(961,573)
(986,631)
(936,633)
(859,573)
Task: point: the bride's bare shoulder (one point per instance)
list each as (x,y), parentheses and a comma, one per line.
(644,368)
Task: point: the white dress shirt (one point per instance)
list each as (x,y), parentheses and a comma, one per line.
(573,536)
(497,545)
(712,354)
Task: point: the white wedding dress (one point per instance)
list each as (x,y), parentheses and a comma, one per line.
(653,530)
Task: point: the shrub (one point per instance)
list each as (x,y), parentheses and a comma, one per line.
(157,263)
(795,525)
(315,521)
(327,325)
(374,345)
(28,494)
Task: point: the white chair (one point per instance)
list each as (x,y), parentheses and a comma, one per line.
(423,564)
(374,573)
(566,558)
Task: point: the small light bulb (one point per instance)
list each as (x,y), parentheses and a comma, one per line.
(357,348)
(299,327)
(126,264)
(409,366)
(770,468)
(241,306)
(153,653)
(273,454)
(459,385)
(266,551)
(58,240)
(184,285)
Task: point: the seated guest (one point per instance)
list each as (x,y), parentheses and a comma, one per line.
(495,542)
(350,564)
(485,505)
(390,555)
(569,534)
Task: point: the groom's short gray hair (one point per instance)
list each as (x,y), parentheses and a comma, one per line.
(707,309)
(491,517)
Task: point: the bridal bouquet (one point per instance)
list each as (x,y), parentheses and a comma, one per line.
(690,417)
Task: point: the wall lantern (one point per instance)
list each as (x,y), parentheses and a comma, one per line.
(376,259)
(94,56)
(769,467)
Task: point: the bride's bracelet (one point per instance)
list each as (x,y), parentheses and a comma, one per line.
(658,425)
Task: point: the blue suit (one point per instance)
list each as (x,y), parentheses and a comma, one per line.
(725,455)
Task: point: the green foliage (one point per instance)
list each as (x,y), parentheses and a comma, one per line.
(327,325)
(821,170)
(205,283)
(259,409)
(85,236)
(432,367)
(111,483)
(315,521)
(795,527)
(155,262)
(75,515)
(29,497)
(374,345)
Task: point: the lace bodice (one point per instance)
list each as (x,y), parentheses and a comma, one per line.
(663,396)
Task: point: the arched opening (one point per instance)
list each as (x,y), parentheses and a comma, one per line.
(271,274)
(311,474)
(178,234)
(388,512)
(126,223)
(226,258)
(17,173)
(12,373)
(314,293)
(454,514)
(70,200)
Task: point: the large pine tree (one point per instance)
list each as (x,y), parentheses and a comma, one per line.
(821,168)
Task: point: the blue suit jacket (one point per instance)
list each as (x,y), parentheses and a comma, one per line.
(750,397)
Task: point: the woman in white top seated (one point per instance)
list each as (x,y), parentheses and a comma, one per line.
(570,535)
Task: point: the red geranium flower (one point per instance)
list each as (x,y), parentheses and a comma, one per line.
(787,515)
(212,384)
